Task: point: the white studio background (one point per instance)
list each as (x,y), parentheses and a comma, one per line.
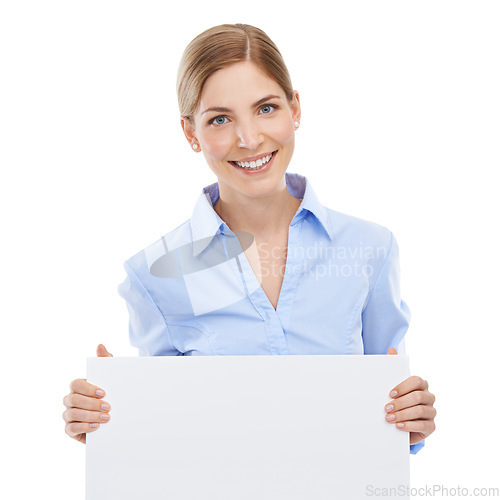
(400,108)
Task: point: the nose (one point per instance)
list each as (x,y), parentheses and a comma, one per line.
(249,135)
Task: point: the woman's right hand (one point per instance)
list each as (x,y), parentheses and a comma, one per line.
(85,409)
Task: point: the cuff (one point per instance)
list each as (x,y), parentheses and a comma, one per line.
(415,448)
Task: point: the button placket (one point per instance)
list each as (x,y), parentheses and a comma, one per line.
(294,265)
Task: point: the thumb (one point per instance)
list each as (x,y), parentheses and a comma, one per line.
(391,350)
(102,352)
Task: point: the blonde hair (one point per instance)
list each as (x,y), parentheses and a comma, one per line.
(221,46)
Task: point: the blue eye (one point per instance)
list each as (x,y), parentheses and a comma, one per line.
(216,118)
(269,106)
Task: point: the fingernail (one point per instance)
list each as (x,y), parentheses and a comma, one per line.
(393,394)
(104,416)
(400,425)
(105,406)
(389,408)
(94,424)
(390,416)
(99,392)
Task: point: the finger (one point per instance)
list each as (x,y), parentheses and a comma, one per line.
(413,383)
(391,350)
(81,386)
(411,399)
(74,400)
(419,412)
(75,428)
(102,352)
(424,427)
(78,415)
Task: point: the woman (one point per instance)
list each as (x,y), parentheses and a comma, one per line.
(261,267)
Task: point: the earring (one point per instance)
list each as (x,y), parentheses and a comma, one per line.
(195,146)
(297,124)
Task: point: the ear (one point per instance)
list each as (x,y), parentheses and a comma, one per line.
(189,131)
(295,106)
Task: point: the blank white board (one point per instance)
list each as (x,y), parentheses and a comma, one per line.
(246,428)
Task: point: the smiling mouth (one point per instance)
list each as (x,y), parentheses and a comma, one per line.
(254,165)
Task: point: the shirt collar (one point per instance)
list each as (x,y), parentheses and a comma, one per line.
(206,222)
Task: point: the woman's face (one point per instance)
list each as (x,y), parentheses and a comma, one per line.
(258,120)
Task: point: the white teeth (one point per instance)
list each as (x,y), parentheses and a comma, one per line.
(254,164)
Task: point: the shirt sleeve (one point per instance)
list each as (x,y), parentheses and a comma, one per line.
(386,316)
(415,448)
(148,330)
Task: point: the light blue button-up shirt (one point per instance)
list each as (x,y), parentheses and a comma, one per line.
(193,292)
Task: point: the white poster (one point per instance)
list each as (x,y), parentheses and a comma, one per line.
(301,427)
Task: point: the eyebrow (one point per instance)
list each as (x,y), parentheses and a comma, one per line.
(254,105)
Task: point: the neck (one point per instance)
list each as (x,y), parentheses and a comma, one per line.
(264,217)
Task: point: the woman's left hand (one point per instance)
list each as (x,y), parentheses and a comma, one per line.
(412,407)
